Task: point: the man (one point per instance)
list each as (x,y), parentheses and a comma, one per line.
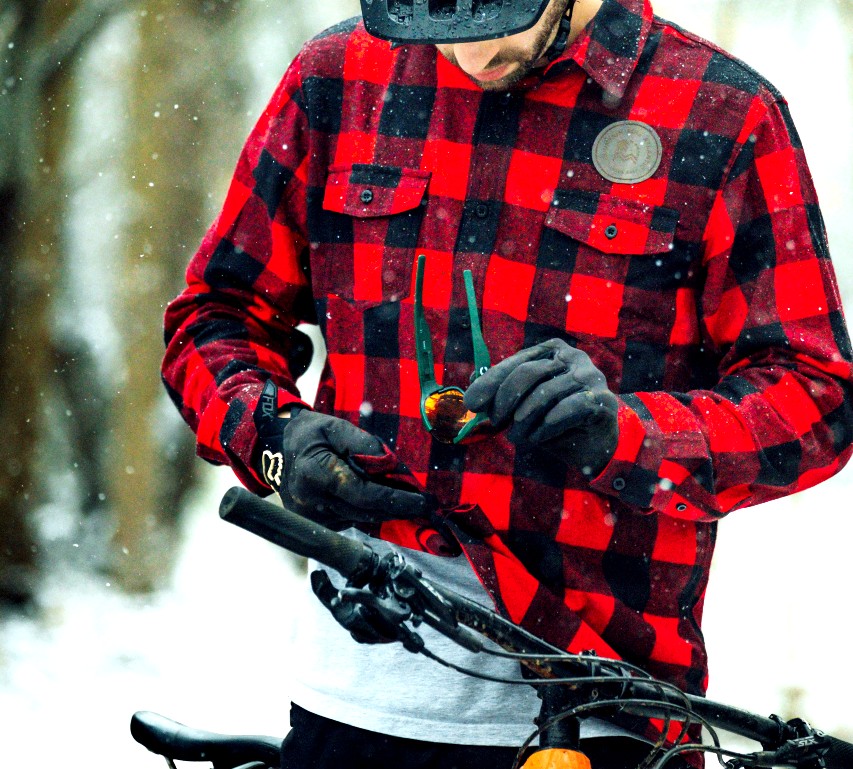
(626,213)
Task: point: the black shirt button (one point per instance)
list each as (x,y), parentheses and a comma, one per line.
(366,196)
(482,210)
(618,484)
(611,232)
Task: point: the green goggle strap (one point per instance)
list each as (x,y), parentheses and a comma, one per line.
(482,362)
(423,342)
(481,352)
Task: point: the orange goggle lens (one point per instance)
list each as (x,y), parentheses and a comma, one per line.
(446,413)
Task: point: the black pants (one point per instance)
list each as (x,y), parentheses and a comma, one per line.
(315,742)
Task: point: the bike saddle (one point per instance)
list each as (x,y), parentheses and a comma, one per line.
(169,738)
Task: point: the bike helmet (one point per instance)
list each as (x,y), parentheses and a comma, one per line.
(449,21)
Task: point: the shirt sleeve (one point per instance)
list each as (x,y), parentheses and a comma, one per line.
(779,419)
(234,325)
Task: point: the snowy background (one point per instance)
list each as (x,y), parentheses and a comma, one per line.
(211,648)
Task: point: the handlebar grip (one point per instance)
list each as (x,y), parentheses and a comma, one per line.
(299,535)
(840,755)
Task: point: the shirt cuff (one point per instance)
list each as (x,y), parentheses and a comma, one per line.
(650,469)
(632,473)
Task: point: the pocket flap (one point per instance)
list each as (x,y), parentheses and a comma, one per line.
(611,224)
(363,190)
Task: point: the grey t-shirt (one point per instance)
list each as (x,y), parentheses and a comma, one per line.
(384,688)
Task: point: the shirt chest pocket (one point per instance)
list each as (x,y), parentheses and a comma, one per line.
(365,239)
(613,225)
(613,267)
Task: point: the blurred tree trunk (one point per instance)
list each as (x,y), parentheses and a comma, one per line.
(180,93)
(37,38)
(21,322)
(186,119)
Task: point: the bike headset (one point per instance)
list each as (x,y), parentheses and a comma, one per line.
(459,21)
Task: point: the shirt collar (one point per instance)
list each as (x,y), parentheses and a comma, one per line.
(609,48)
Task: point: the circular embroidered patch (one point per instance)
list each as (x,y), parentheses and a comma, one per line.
(627,152)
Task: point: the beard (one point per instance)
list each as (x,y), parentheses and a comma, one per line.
(527,58)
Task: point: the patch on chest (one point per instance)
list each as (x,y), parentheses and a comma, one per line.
(627,152)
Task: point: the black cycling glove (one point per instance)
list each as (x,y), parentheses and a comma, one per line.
(311,460)
(551,395)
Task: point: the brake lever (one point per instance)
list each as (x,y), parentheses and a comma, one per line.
(375,606)
(369,618)
(806,750)
(384,616)
(408,584)
(426,603)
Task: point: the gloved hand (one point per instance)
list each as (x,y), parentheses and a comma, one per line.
(311,460)
(551,395)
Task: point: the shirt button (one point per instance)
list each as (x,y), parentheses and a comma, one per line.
(482,210)
(618,484)
(611,232)
(681,507)
(366,196)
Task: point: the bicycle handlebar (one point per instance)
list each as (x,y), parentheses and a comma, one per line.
(358,562)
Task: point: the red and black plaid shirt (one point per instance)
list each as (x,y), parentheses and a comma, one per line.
(704,293)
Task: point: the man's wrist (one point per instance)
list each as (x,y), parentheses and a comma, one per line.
(290,410)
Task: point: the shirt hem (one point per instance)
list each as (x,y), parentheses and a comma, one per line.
(449,732)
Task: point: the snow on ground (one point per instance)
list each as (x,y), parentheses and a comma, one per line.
(210,651)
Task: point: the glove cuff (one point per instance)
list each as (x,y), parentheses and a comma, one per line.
(269,462)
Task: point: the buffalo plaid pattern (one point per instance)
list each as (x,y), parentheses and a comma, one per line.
(704,293)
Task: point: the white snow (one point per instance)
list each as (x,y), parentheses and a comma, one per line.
(210,651)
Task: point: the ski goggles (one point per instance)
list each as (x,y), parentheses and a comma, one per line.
(443,408)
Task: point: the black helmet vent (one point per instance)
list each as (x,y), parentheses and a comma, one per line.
(399,11)
(442,9)
(485,10)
